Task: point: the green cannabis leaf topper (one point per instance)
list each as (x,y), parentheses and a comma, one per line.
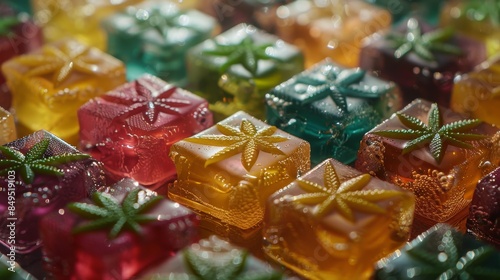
(435,133)
(339,85)
(246,53)
(33,161)
(423,44)
(449,264)
(206,269)
(108,212)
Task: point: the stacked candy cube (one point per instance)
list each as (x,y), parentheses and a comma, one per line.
(306,139)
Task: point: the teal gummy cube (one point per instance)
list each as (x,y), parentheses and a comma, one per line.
(154,37)
(331,107)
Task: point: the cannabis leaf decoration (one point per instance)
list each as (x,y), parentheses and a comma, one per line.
(148,102)
(206,269)
(480,10)
(449,264)
(246,53)
(338,86)
(33,161)
(60,62)
(423,44)
(6,23)
(247,140)
(155,19)
(108,212)
(344,197)
(435,133)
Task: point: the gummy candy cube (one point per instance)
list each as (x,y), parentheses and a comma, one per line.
(332,108)
(131,128)
(441,253)
(229,170)
(42,173)
(122,231)
(421,60)
(237,68)
(7,127)
(435,153)
(335,222)
(153,37)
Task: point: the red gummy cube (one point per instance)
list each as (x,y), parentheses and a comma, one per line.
(96,254)
(131,128)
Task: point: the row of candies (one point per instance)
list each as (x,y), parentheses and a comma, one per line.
(228,172)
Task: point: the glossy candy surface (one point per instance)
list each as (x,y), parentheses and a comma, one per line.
(441,253)
(213,258)
(153,37)
(7,127)
(333,29)
(484,216)
(236,69)
(477,93)
(229,170)
(131,128)
(475,18)
(124,230)
(42,173)
(334,222)
(422,61)
(437,154)
(51,83)
(331,107)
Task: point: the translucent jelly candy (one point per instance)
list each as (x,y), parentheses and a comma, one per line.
(441,253)
(7,127)
(422,61)
(476,94)
(333,29)
(213,258)
(478,19)
(131,128)
(42,173)
(125,229)
(51,83)
(229,170)
(153,37)
(81,19)
(332,108)
(236,69)
(437,154)
(484,215)
(335,222)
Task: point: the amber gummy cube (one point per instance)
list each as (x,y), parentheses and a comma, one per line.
(335,222)
(229,170)
(332,29)
(7,127)
(440,160)
(477,93)
(51,83)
